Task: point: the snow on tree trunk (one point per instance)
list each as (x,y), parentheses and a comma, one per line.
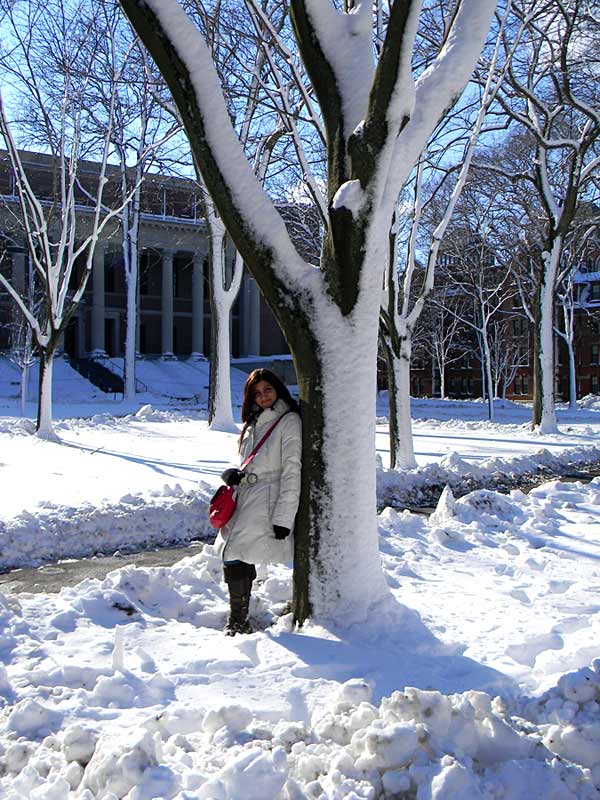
(45,427)
(222,298)
(544,409)
(336,525)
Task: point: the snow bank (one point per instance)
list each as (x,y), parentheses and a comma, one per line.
(135,522)
(126,687)
(415,743)
(424,485)
(58,738)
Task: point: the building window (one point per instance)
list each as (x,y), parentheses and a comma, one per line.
(6,181)
(417,387)
(595,384)
(180,203)
(595,359)
(521,385)
(467,387)
(595,291)
(523,356)
(153,198)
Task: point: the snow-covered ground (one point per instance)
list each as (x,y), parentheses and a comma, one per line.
(126,687)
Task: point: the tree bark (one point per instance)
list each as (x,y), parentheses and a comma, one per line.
(402,454)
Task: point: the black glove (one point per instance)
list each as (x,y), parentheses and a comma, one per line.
(232,476)
(281,532)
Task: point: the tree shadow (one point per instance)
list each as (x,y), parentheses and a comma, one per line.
(398,651)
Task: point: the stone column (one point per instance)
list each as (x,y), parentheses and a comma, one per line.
(98,309)
(198,306)
(167,304)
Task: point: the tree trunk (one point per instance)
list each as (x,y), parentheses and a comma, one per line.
(131,329)
(220,412)
(405,453)
(572,377)
(402,454)
(337,563)
(392,406)
(442,381)
(24,387)
(488,375)
(44,427)
(544,413)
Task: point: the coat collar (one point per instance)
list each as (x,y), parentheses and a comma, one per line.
(269,415)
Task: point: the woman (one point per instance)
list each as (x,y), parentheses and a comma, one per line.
(259,532)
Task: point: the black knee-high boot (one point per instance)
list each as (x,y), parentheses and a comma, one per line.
(239,578)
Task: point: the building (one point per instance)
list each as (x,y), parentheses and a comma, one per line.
(173,298)
(463,376)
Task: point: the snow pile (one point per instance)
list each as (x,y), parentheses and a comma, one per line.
(145,413)
(136,522)
(67,384)
(591,402)
(424,485)
(414,743)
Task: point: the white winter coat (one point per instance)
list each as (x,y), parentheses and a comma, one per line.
(273,499)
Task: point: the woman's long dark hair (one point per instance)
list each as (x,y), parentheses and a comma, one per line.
(250,410)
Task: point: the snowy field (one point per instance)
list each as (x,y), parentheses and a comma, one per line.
(127,687)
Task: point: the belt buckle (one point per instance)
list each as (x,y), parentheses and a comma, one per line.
(251,478)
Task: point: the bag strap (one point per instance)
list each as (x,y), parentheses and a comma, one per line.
(263,440)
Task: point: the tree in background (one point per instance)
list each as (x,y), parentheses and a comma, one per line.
(407,287)
(442,335)
(53,116)
(122,95)
(550,104)
(473,273)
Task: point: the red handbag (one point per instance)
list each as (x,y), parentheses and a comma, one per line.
(223,502)
(222,506)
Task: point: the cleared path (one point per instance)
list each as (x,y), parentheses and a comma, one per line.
(51,578)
